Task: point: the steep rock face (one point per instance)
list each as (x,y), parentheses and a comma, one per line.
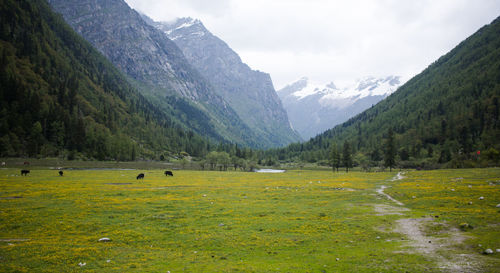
(314,108)
(121,35)
(157,66)
(249,92)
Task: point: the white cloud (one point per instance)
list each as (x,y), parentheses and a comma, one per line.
(333,40)
(165,10)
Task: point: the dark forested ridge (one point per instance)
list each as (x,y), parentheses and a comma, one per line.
(60,95)
(447,116)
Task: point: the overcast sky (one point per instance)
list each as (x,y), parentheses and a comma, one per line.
(337,41)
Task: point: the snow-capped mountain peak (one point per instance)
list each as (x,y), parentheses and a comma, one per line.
(331,85)
(181,27)
(313,107)
(311,89)
(371,86)
(368,86)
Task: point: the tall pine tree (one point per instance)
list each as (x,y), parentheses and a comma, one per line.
(334,157)
(390,150)
(346,156)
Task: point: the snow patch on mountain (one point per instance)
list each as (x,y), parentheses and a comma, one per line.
(188,22)
(368,86)
(311,89)
(176,27)
(314,107)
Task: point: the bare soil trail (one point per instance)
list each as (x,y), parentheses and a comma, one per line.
(442,250)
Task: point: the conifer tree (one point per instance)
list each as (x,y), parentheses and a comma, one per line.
(390,150)
(334,157)
(346,156)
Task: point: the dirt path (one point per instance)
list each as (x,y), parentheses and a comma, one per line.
(434,248)
(381,191)
(398,176)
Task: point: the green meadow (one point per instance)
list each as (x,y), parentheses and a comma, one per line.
(209,221)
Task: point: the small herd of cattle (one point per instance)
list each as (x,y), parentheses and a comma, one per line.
(167,173)
(25,172)
(140,176)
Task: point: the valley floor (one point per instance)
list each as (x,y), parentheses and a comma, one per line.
(297,221)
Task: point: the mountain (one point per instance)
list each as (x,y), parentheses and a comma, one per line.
(60,97)
(249,92)
(315,108)
(446,116)
(157,67)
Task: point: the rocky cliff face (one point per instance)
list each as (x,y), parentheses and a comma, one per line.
(249,92)
(157,66)
(314,108)
(132,45)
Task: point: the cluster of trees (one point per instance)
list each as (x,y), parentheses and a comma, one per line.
(344,158)
(222,160)
(226,156)
(340,158)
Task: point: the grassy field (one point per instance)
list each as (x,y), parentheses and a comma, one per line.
(298,221)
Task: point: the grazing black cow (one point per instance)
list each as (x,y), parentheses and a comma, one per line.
(25,172)
(140,176)
(61,173)
(167,173)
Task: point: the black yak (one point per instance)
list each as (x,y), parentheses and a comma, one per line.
(61,173)
(25,172)
(167,173)
(140,176)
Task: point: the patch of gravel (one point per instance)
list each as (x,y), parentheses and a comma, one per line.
(411,228)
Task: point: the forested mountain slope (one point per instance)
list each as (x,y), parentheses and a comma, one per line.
(59,94)
(447,115)
(158,68)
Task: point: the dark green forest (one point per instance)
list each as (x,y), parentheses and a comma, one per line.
(447,116)
(59,96)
